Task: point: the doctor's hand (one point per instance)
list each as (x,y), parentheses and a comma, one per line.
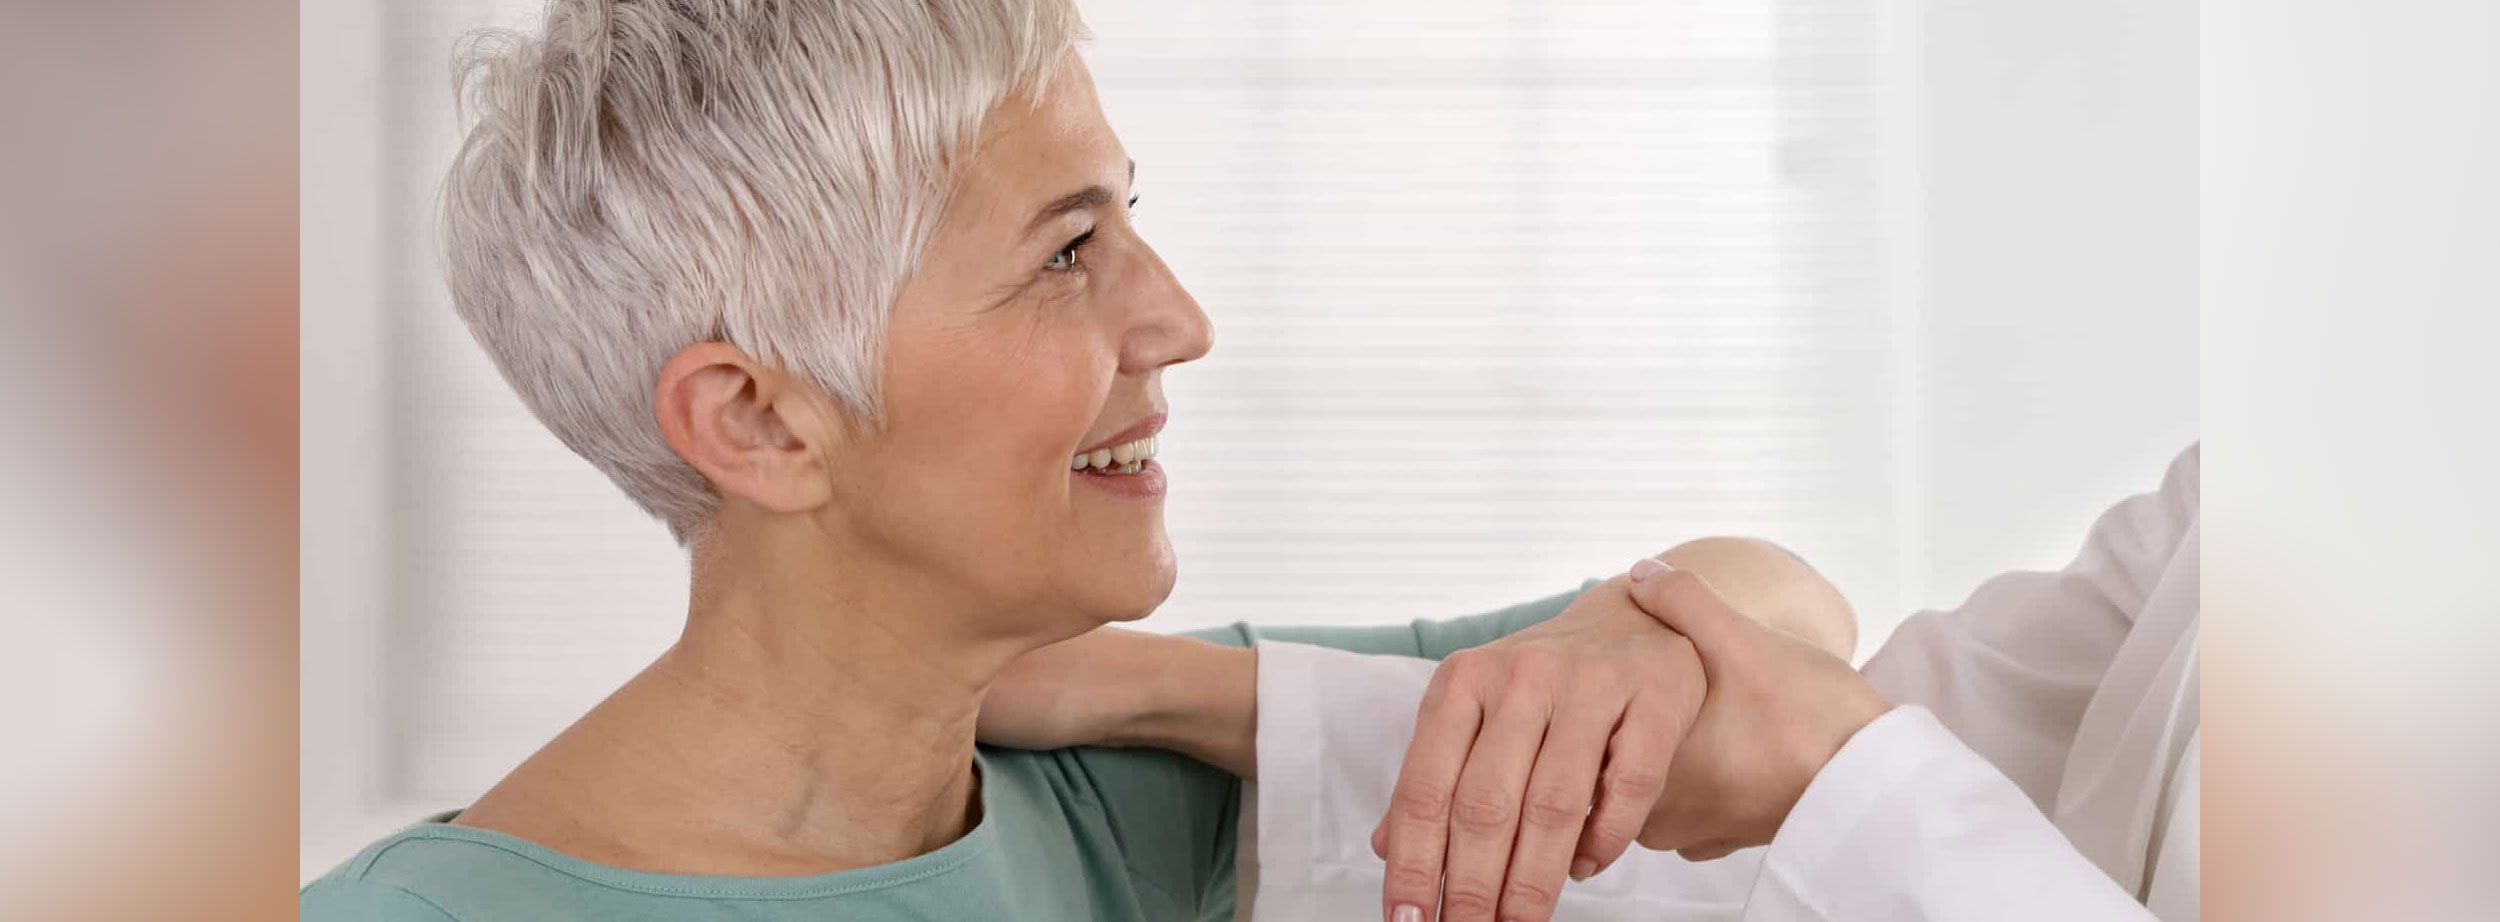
(1778,708)
(1536,757)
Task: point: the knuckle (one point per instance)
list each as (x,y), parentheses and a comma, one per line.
(1530,896)
(1634,782)
(1423,802)
(1438,693)
(1481,812)
(1553,811)
(1407,879)
(1610,835)
(1467,901)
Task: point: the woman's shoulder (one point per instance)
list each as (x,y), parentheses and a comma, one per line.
(373,885)
(343,899)
(434,871)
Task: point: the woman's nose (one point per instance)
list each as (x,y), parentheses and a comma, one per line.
(1167,326)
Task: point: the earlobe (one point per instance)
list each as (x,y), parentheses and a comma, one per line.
(743,425)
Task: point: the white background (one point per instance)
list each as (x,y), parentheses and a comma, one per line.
(1506,294)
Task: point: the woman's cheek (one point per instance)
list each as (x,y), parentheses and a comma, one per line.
(1019,396)
(1066,394)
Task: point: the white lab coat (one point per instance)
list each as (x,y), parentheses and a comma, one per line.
(2042,763)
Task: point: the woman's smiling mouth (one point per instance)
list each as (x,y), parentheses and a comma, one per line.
(1125,458)
(1124,463)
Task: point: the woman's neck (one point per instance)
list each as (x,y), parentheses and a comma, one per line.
(801,725)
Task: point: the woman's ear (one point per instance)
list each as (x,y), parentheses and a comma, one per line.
(749,428)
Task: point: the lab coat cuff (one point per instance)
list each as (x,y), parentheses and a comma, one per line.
(1884,758)
(1288,723)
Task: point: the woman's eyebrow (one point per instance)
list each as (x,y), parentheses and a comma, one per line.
(1084,199)
(1090,197)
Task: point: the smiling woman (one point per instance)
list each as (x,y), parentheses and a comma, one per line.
(845,294)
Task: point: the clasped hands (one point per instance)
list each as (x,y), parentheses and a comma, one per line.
(1659,707)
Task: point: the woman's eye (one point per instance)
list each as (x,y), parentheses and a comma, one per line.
(1065,259)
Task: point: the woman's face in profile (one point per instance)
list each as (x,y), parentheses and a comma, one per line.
(1033,333)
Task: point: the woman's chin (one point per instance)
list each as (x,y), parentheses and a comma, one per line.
(1142,593)
(1145,601)
(1120,582)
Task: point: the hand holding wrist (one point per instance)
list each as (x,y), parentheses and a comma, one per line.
(1776,711)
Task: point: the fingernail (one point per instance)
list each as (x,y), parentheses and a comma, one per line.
(1647,567)
(1406,913)
(1581,868)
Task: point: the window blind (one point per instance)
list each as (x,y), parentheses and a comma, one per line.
(1506,294)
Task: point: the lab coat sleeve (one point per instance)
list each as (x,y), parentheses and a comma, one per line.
(1907,823)
(2012,670)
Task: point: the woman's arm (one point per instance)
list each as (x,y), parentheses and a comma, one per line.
(1197,693)
(1130,689)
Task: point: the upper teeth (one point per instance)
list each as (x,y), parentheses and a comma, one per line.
(1124,458)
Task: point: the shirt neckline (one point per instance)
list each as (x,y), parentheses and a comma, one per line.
(946,858)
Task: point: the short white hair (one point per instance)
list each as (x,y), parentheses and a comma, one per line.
(645,175)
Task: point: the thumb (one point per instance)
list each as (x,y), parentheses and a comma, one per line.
(1681,600)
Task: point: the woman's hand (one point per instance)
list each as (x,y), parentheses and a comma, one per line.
(1113,687)
(1537,756)
(1778,709)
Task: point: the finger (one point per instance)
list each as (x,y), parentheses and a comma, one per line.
(1560,787)
(1413,837)
(1681,600)
(1631,782)
(1484,812)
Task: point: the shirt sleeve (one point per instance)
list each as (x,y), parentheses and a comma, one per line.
(1175,821)
(2012,670)
(1430,640)
(1907,823)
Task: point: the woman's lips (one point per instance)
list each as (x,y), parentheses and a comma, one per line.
(1124,464)
(1142,428)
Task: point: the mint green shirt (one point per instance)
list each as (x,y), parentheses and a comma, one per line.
(1099,835)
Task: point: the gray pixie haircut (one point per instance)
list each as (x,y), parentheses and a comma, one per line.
(645,175)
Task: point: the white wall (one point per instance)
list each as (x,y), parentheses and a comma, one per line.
(2041,237)
(345,561)
(2057,328)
